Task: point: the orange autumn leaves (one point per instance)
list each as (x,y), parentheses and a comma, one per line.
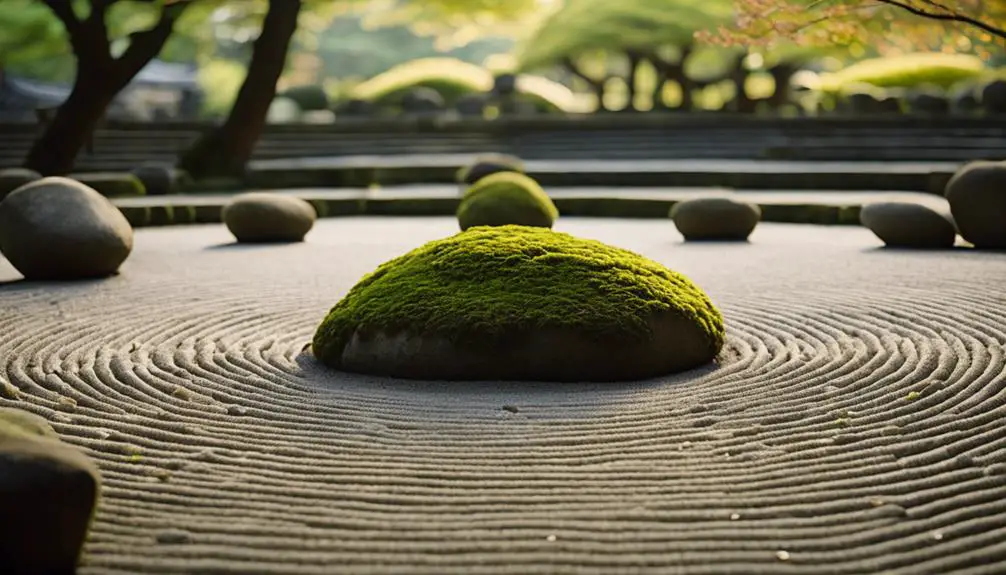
(887,25)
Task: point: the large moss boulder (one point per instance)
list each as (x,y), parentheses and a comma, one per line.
(977,196)
(520,303)
(112,184)
(505,199)
(715,219)
(260,217)
(48,495)
(58,228)
(909,225)
(487,165)
(13,178)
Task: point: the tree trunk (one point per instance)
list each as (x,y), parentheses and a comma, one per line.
(226,150)
(100,77)
(71,129)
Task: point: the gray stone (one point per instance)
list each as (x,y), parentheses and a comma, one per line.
(13,178)
(258,217)
(909,225)
(48,494)
(423,100)
(994,97)
(929,104)
(716,219)
(161,180)
(977,196)
(472,105)
(58,228)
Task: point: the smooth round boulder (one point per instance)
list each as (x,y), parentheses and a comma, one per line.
(48,495)
(520,304)
(994,97)
(487,165)
(908,225)
(60,229)
(13,178)
(259,217)
(715,219)
(506,198)
(977,196)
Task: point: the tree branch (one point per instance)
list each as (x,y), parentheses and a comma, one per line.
(64,11)
(950,16)
(570,65)
(143,46)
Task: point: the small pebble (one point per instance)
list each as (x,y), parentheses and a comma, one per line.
(174,536)
(511,408)
(735,516)
(782,555)
(66,404)
(937,536)
(550,538)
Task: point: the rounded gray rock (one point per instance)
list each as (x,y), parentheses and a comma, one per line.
(13,178)
(57,228)
(977,196)
(908,225)
(715,219)
(159,179)
(259,217)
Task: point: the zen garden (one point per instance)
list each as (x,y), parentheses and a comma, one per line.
(503,286)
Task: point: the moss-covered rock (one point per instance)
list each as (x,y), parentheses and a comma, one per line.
(309,97)
(112,184)
(48,494)
(977,196)
(13,178)
(487,165)
(909,225)
(160,179)
(520,303)
(259,217)
(504,199)
(715,219)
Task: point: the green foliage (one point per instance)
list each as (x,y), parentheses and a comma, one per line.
(489,286)
(308,98)
(506,198)
(548,95)
(450,77)
(581,26)
(907,71)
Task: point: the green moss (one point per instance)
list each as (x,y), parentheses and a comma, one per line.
(493,285)
(112,184)
(506,198)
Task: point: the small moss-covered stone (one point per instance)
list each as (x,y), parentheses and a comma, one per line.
(977,196)
(48,495)
(259,217)
(112,184)
(488,165)
(161,180)
(908,225)
(58,228)
(13,178)
(520,303)
(504,199)
(715,219)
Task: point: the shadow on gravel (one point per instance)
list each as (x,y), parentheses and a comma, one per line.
(235,246)
(957,250)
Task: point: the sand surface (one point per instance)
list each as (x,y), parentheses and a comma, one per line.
(855,422)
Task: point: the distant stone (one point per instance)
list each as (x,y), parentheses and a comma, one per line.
(715,219)
(60,229)
(355,107)
(48,494)
(977,196)
(13,178)
(259,217)
(283,111)
(487,165)
(908,225)
(422,100)
(112,184)
(928,103)
(472,105)
(994,97)
(318,117)
(161,179)
(505,84)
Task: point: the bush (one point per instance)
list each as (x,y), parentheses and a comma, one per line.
(309,98)
(112,184)
(506,198)
(487,165)
(451,78)
(908,71)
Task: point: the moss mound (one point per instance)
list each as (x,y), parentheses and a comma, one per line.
(520,303)
(112,184)
(487,165)
(506,198)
